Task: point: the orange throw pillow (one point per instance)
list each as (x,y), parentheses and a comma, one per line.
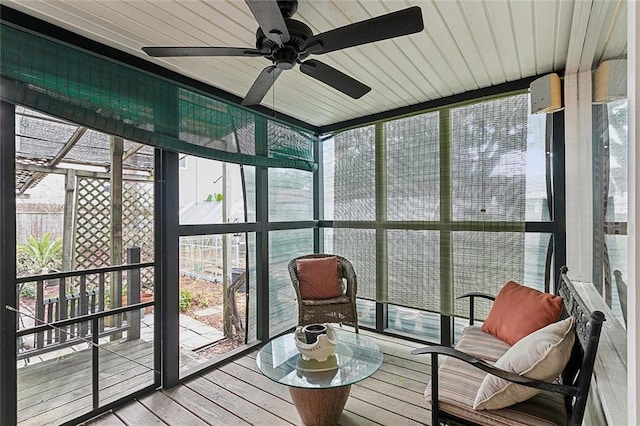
(319,278)
(519,311)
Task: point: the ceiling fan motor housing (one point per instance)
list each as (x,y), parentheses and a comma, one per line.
(292,51)
(288,7)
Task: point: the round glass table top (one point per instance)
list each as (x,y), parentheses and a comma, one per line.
(356,358)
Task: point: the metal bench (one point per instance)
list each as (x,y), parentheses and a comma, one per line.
(561,402)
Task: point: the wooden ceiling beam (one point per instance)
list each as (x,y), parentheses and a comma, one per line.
(73,140)
(132,151)
(148,176)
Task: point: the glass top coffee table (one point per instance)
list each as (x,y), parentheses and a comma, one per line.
(320,390)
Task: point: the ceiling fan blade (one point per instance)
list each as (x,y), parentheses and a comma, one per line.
(269,17)
(334,78)
(200,51)
(395,24)
(262,85)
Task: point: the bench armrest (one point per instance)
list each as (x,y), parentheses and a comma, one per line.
(485,366)
(472,295)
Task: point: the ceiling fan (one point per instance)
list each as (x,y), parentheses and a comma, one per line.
(287,42)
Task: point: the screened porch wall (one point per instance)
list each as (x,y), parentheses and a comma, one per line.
(434,205)
(290,202)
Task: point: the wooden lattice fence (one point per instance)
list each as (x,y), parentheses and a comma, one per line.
(137,226)
(92,224)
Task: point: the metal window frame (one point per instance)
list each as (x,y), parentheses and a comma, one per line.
(556,227)
(8,296)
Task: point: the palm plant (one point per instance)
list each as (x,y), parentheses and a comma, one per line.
(42,255)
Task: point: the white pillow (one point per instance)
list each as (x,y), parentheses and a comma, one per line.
(542,355)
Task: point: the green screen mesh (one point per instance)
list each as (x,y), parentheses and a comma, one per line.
(448,216)
(413,188)
(354,185)
(113,98)
(488,164)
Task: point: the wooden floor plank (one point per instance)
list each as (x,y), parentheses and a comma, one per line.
(391,344)
(251,374)
(136,414)
(401,381)
(67,406)
(419,376)
(392,398)
(234,404)
(280,407)
(109,376)
(376,414)
(238,394)
(388,403)
(204,407)
(108,419)
(108,352)
(76,367)
(406,363)
(349,418)
(169,411)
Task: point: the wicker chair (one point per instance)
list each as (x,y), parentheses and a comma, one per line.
(336,310)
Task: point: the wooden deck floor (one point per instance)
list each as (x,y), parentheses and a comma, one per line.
(238,394)
(59,389)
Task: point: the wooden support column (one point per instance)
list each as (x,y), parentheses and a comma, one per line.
(115,290)
(133,295)
(67,248)
(67,230)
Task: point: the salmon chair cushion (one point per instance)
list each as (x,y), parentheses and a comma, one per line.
(319,278)
(519,311)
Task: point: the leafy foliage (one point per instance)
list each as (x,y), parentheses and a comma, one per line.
(28,290)
(185,300)
(41,255)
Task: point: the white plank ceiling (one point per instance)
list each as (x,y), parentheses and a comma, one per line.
(466,45)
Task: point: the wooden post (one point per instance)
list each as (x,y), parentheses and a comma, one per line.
(67,229)
(83,305)
(117,150)
(133,293)
(67,245)
(101,300)
(62,309)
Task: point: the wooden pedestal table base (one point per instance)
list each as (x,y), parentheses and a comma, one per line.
(320,407)
(320,394)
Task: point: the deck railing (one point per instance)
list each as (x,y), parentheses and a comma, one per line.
(82,315)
